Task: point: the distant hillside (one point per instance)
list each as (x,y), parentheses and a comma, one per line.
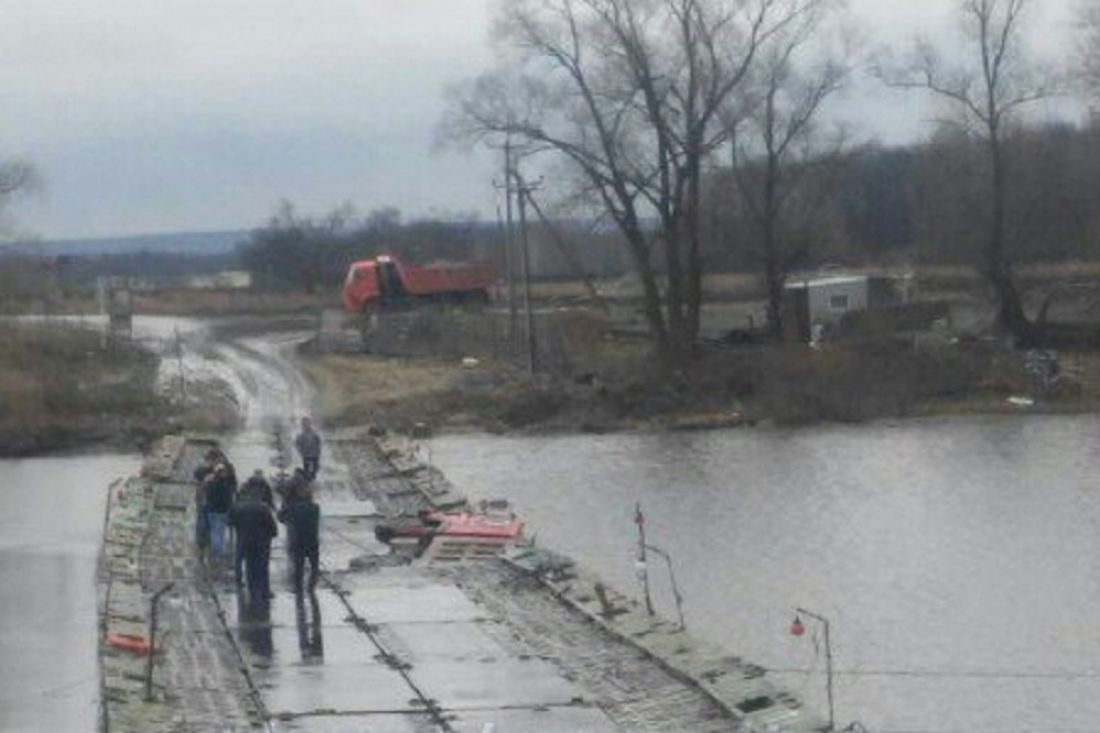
(191,243)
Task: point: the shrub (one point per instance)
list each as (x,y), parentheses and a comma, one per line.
(859,381)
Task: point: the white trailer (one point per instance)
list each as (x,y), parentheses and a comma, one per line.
(813,305)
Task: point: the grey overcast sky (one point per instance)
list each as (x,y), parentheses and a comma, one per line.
(165,115)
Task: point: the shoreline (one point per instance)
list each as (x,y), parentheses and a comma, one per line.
(141,437)
(500,399)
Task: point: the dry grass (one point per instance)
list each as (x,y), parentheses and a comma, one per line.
(215,303)
(399,393)
(60,387)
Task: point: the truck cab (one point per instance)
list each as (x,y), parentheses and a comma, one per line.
(388,281)
(376,281)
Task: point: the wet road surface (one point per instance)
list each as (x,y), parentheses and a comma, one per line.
(404,649)
(49,540)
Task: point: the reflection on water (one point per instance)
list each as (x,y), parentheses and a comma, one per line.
(49,539)
(958,560)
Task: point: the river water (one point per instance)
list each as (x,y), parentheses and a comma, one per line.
(957,560)
(50,532)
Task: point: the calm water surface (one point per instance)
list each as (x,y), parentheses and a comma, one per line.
(958,560)
(50,531)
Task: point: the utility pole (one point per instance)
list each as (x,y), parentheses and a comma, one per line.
(571,257)
(524,190)
(509,248)
(643,567)
(509,189)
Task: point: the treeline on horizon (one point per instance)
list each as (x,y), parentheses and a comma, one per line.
(918,204)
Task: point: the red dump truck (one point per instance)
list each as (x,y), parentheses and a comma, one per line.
(387,281)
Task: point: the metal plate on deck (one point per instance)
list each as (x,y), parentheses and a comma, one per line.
(506,683)
(408,604)
(549,720)
(417,643)
(344,688)
(356,724)
(337,645)
(283,610)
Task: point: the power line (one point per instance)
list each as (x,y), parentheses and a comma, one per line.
(1044,729)
(948,674)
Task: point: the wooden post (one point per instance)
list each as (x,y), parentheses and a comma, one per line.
(154,604)
(643,567)
(828,659)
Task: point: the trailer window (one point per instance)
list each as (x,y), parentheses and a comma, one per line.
(838,302)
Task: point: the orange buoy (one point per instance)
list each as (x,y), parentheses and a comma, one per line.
(128,642)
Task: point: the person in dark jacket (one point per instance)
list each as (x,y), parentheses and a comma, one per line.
(202,525)
(308,444)
(229,467)
(290,489)
(255,488)
(302,517)
(255,527)
(219,490)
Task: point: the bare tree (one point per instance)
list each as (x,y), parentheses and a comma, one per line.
(16,177)
(1088,47)
(631,94)
(988,90)
(783,163)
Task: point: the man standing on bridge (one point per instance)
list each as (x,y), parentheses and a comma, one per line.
(219,491)
(255,526)
(302,518)
(308,444)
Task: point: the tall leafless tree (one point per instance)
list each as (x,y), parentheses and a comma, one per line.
(1088,47)
(988,89)
(631,93)
(17,177)
(783,160)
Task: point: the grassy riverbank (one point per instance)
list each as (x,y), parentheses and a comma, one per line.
(790,386)
(62,387)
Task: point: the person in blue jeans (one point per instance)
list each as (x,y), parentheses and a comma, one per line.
(201,474)
(220,488)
